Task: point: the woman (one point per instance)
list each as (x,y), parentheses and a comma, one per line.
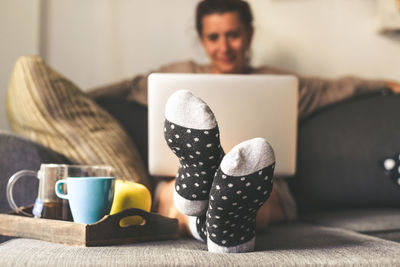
(225,29)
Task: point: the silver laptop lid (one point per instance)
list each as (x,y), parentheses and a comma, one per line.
(245,106)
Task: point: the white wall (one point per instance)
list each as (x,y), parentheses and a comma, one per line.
(98,41)
(94,42)
(328,38)
(19,35)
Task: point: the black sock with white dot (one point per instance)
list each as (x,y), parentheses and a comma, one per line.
(192,134)
(241,186)
(199,154)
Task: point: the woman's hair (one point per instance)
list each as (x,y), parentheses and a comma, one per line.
(207,7)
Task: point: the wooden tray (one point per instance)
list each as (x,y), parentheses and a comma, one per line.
(107,231)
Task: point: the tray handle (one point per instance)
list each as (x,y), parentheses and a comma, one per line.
(149,218)
(154,224)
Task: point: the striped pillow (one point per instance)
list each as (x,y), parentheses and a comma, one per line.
(49,109)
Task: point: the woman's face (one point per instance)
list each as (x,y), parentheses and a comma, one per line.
(226,42)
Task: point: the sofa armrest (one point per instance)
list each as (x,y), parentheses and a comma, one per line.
(339,153)
(18,153)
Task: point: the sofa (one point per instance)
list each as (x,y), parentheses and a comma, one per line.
(348,207)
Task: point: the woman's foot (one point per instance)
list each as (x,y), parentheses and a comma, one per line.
(241,185)
(192,133)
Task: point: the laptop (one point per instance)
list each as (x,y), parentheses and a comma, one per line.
(245,107)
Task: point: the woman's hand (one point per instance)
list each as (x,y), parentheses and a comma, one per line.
(394,86)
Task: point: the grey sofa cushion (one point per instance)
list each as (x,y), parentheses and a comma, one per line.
(17,154)
(339,151)
(393,235)
(382,223)
(359,220)
(132,117)
(283,245)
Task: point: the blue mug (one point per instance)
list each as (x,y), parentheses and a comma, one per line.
(90,198)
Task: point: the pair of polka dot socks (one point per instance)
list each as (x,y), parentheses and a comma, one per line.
(221,193)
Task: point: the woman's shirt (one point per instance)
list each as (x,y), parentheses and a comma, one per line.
(314,93)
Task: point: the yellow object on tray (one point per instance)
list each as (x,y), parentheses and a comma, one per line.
(130,195)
